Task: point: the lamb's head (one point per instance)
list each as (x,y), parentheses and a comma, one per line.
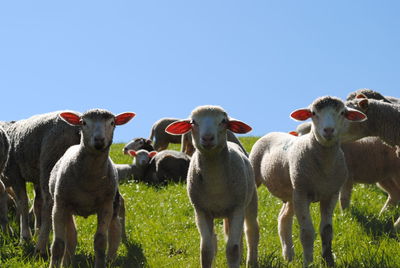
(208,125)
(136,144)
(329,118)
(97,126)
(143,157)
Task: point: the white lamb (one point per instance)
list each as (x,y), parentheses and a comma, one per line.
(301,170)
(84,182)
(220,184)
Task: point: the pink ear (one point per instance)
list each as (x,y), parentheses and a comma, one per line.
(71,118)
(123,118)
(354,115)
(237,126)
(301,114)
(294,133)
(179,127)
(132,153)
(152,154)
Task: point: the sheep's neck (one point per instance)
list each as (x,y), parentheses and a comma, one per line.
(214,163)
(384,123)
(95,161)
(324,155)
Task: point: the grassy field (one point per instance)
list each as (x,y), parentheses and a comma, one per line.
(162,233)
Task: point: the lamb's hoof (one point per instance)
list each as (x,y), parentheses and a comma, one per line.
(328,258)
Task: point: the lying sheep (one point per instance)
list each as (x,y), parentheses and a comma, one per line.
(36,144)
(167,165)
(220,184)
(301,170)
(138,168)
(84,182)
(137,144)
(160,138)
(371,94)
(188,148)
(369,161)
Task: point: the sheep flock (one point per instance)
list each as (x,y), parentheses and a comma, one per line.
(65,155)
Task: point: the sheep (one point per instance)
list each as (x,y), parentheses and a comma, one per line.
(371,94)
(36,144)
(188,148)
(84,182)
(301,170)
(138,144)
(160,138)
(369,160)
(382,120)
(137,169)
(4,152)
(167,165)
(220,184)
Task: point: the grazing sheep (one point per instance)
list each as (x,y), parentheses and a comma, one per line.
(36,144)
(301,170)
(137,144)
(84,182)
(220,184)
(160,138)
(369,160)
(137,170)
(188,148)
(167,165)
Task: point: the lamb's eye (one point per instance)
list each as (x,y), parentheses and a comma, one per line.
(342,113)
(193,122)
(313,113)
(224,121)
(83,123)
(112,123)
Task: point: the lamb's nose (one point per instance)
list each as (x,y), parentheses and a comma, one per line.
(329,131)
(207,138)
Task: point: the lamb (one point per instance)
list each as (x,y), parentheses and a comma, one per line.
(220,184)
(371,94)
(137,169)
(36,144)
(4,152)
(138,144)
(301,170)
(369,160)
(84,182)
(188,148)
(160,138)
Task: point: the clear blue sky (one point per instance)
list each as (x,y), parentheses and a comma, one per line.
(258,59)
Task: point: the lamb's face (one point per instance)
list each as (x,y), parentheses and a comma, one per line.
(209,129)
(135,145)
(98,130)
(328,123)
(142,158)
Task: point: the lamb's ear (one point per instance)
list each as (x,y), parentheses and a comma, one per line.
(123,118)
(71,118)
(132,153)
(152,154)
(239,127)
(179,127)
(355,115)
(301,114)
(294,133)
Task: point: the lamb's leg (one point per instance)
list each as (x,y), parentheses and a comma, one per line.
(3,207)
(100,238)
(233,245)
(114,238)
(122,219)
(326,230)
(393,191)
(208,246)
(37,207)
(41,245)
(345,194)
(252,232)
(285,223)
(302,212)
(23,207)
(71,240)
(60,218)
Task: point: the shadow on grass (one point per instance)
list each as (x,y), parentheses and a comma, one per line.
(373,225)
(134,258)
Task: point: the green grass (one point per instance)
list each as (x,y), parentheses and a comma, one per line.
(162,233)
